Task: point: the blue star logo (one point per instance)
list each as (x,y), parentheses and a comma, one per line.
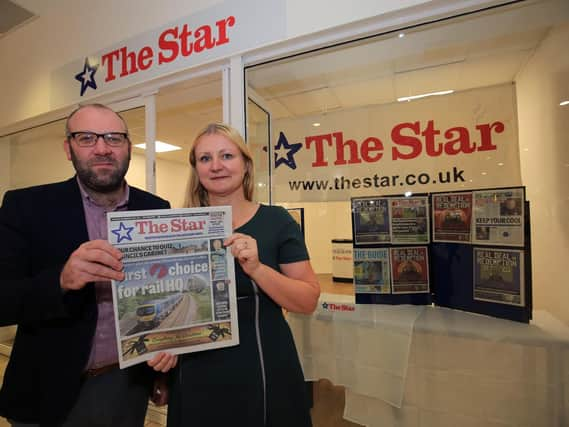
(284,152)
(123,232)
(87,76)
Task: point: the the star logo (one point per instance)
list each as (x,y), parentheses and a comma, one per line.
(325,305)
(123,232)
(87,76)
(284,152)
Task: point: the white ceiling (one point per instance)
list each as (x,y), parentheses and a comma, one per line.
(13,16)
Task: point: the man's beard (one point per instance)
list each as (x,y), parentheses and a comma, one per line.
(102,183)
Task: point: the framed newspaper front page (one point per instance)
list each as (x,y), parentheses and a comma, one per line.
(178,294)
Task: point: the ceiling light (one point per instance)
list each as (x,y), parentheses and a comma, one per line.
(161,147)
(316,124)
(424,95)
(562,103)
(401,35)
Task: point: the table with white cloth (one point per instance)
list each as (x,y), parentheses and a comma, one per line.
(423,366)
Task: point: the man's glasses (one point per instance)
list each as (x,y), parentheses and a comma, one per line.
(89,139)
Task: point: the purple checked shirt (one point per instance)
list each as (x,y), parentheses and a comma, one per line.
(104,346)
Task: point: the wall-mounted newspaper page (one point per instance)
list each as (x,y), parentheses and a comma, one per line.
(409,220)
(371,271)
(452,217)
(409,270)
(499,276)
(178,294)
(499,217)
(371,220)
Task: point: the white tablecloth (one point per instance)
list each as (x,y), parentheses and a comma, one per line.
(417,366)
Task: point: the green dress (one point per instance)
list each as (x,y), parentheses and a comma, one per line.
(258,382)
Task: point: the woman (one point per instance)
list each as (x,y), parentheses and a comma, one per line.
(260,381)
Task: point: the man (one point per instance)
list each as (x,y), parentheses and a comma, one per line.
(55,272)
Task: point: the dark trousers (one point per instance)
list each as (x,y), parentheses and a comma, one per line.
(118,398)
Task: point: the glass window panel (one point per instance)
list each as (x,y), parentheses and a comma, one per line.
(182,111)
(36,156)
(258,138)
(339,111)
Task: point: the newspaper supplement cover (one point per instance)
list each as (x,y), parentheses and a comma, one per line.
(371,271)
(178,294)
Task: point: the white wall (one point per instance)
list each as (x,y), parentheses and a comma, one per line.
(69,29)
(324,221)
(4,166)
(544,152)
(171,178)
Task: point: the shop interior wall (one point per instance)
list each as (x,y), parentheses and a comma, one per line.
(4,166)
(324,221)
(544,152)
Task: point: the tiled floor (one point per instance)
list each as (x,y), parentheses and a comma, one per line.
(327,411)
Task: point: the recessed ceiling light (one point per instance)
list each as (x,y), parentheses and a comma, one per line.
(424,95)
(161,147)
(401,35)
(562,103)
(501,164)
(315,124)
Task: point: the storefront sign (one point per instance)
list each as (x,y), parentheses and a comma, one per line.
(218,32)
(462,141)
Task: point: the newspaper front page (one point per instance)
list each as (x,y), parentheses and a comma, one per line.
(452,217)
(409,220)
(409,270)
(499,276)
(371,220)
(178,294)
(371,271)
(499,217)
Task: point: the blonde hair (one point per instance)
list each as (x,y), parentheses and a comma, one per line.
(196,194)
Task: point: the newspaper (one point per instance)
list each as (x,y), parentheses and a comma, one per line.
(452,217)
(499,217)
(409,270)
(409,220)
(371,271)
(178,294)
(499,276)
(371,220)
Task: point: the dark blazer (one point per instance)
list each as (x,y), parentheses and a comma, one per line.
(39,228)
